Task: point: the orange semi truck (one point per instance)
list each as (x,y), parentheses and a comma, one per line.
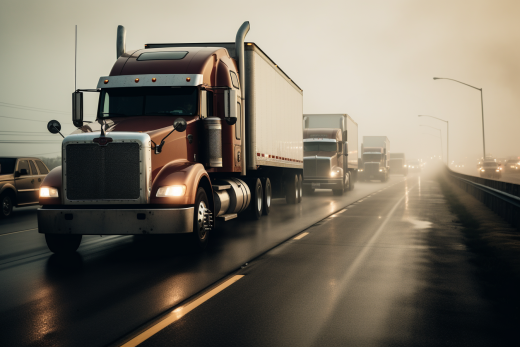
(185,134)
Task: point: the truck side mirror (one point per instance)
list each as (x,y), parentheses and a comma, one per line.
(180,125)
(231,105)
(77,109)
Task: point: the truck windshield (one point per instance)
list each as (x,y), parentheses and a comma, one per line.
(371,157)
(319,146)
(152,101)
(7,165)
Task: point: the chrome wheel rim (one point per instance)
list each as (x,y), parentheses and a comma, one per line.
(268,195)
(200,220)
(259,198)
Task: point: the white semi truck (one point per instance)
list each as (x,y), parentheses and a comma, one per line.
(375,154)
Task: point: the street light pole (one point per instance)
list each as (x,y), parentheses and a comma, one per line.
(447,137)
(481,104)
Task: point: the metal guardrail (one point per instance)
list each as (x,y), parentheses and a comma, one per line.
(501,197)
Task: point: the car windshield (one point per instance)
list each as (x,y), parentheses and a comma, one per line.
(7,165)
(319,146)
(371,157)
(152,101)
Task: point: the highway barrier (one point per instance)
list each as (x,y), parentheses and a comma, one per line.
(501,197)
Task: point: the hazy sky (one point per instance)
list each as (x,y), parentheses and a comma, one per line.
(374,60)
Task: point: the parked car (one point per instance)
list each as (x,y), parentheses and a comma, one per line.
(20,180)
(490,169)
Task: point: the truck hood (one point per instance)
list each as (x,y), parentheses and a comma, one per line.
(319,154)
(6,177)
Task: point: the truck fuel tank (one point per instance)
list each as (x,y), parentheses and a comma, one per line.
(231,196)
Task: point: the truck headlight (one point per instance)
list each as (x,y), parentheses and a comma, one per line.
(380,170)
(498,170)
(404,165)
(360,170)
(170,191)
(48,192)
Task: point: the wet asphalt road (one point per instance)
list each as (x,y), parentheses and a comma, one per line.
(115,284)
(389,270)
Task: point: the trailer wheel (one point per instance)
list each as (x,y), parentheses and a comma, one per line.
(291,189)
(6,205)
(202,220)
(257,200)
(300,188)
(63,244)
(268,194)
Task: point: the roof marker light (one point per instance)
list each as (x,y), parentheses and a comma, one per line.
(249,44)
(137,80)
(154,79)
(188,79)
(105,81)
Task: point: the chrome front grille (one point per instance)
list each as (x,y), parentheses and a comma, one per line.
(110,172)
(371,168)
(316,167)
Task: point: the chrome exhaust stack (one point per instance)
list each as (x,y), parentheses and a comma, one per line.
(240,52)
(121,41)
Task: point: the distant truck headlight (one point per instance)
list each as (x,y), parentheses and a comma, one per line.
(404,165)
(360,170)
(482,170)
(48,192)
(170,191)
(380,170)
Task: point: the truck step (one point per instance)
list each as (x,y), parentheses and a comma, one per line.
(226,217)
(221,187)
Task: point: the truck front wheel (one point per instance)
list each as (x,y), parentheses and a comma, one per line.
(202,219)
(63,244)
(266,183)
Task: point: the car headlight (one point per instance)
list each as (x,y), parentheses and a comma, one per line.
(49,192)
(171,191)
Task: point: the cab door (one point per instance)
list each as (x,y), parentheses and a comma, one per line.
(24,183)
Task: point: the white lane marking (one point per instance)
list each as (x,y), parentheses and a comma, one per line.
(180,312)
(16,232)
(360,200)
(301,236)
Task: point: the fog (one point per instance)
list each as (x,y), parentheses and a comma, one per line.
(374,60)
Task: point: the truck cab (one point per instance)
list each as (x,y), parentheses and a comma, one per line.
(324,160)
(374,164)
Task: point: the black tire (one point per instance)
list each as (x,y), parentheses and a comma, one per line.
(351,184)
(6,205)
(291,193)
(257,200)
(200,235)
(268,196)
(63,243)
(340,191)
(300,188)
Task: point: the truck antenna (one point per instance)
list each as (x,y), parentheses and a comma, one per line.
(75,56)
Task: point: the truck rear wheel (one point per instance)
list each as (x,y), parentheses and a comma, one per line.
(268,194)
(257,200)
(291,189)
(6,205)
(202,220)
(300,188)
(63,244)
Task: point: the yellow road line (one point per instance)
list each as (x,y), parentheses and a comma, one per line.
(16,232)
(180,312)
(301,236)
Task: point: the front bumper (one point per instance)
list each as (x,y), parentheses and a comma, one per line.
(318,183)
(115,221)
